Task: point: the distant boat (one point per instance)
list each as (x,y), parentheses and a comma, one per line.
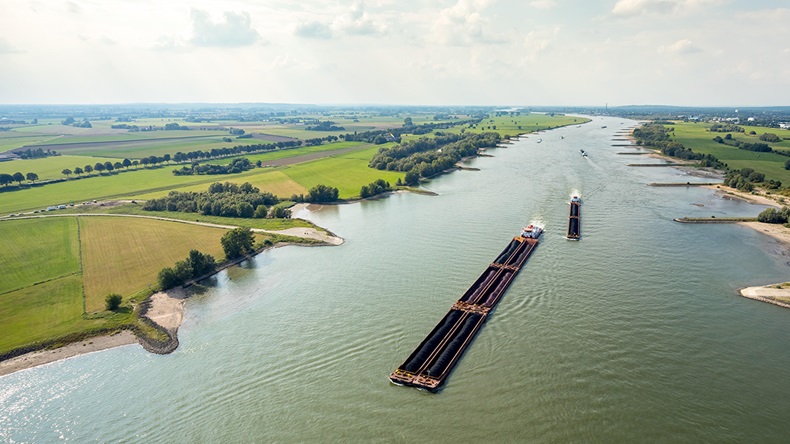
(584,153)
(562,137)
(603,126)
(540,140)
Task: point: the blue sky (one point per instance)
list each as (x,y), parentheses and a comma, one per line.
(467,52)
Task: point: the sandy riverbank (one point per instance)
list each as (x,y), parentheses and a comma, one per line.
(760,198)
(776,294)
(42,357)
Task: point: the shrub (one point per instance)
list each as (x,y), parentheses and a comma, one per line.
(113,301)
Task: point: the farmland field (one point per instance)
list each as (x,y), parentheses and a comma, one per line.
(41,312)
(697,137)
(123,255)
(36,251)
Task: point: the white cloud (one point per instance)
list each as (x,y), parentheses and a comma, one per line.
(235,30)
(543,4)
(357,21)
(7,48)
(683,46)
(631,8)
(354,21)
(313,30)
(464,24)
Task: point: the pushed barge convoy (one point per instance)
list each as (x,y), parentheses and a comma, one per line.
(433,360)
(574,227)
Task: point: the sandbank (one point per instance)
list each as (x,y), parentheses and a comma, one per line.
(34,359)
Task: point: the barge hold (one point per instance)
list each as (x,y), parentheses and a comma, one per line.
(432,361)
(574,225)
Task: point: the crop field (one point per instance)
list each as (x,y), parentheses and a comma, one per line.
(292,152)
(37,251)
(697,138)
(50,167)
(123,255)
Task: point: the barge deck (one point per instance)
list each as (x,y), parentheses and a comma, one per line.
(574,222)
(431,362)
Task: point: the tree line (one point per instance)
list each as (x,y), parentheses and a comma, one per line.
(426,157)
(234,167)
(318,194)
(195,265)
(657,136)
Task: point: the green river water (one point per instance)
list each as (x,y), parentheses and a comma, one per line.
(633,334)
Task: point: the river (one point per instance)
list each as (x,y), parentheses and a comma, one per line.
(635,333)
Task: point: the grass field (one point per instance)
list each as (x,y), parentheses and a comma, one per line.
(348,172)
(697,137)
(50,167)
(124,255)
(47,311)
(274,181)
(525,123)
(37,251)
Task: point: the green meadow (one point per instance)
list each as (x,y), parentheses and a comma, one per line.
(50,167)
(697,137)
(37,252)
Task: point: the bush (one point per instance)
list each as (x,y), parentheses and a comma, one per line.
(113,301)
(769,137)
(772,216)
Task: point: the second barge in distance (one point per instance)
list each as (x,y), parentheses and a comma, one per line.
(432,361)
(574,224)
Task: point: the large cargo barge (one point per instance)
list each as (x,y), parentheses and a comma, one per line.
(431,362)
(574,221)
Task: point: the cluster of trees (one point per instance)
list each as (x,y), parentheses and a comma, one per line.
(237,241)
(374,188)
(195,265)
(237,131)
(228,200)
(234,167)
(426,157)
(745,178)
(729,140)
(132,128)
(657,136)
(175,126)
(113,301)
(327,125)
(318,194)
(36,153)
(774,216)
(770,137)
(319,140)
(70,121)
(725,128)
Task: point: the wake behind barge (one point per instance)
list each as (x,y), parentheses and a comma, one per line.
(433,360)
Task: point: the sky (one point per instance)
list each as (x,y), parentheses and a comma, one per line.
(397,52)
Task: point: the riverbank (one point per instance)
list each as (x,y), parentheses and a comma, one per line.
(164,309)
(776,294)
(41,357)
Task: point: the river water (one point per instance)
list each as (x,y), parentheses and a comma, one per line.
(635,333)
